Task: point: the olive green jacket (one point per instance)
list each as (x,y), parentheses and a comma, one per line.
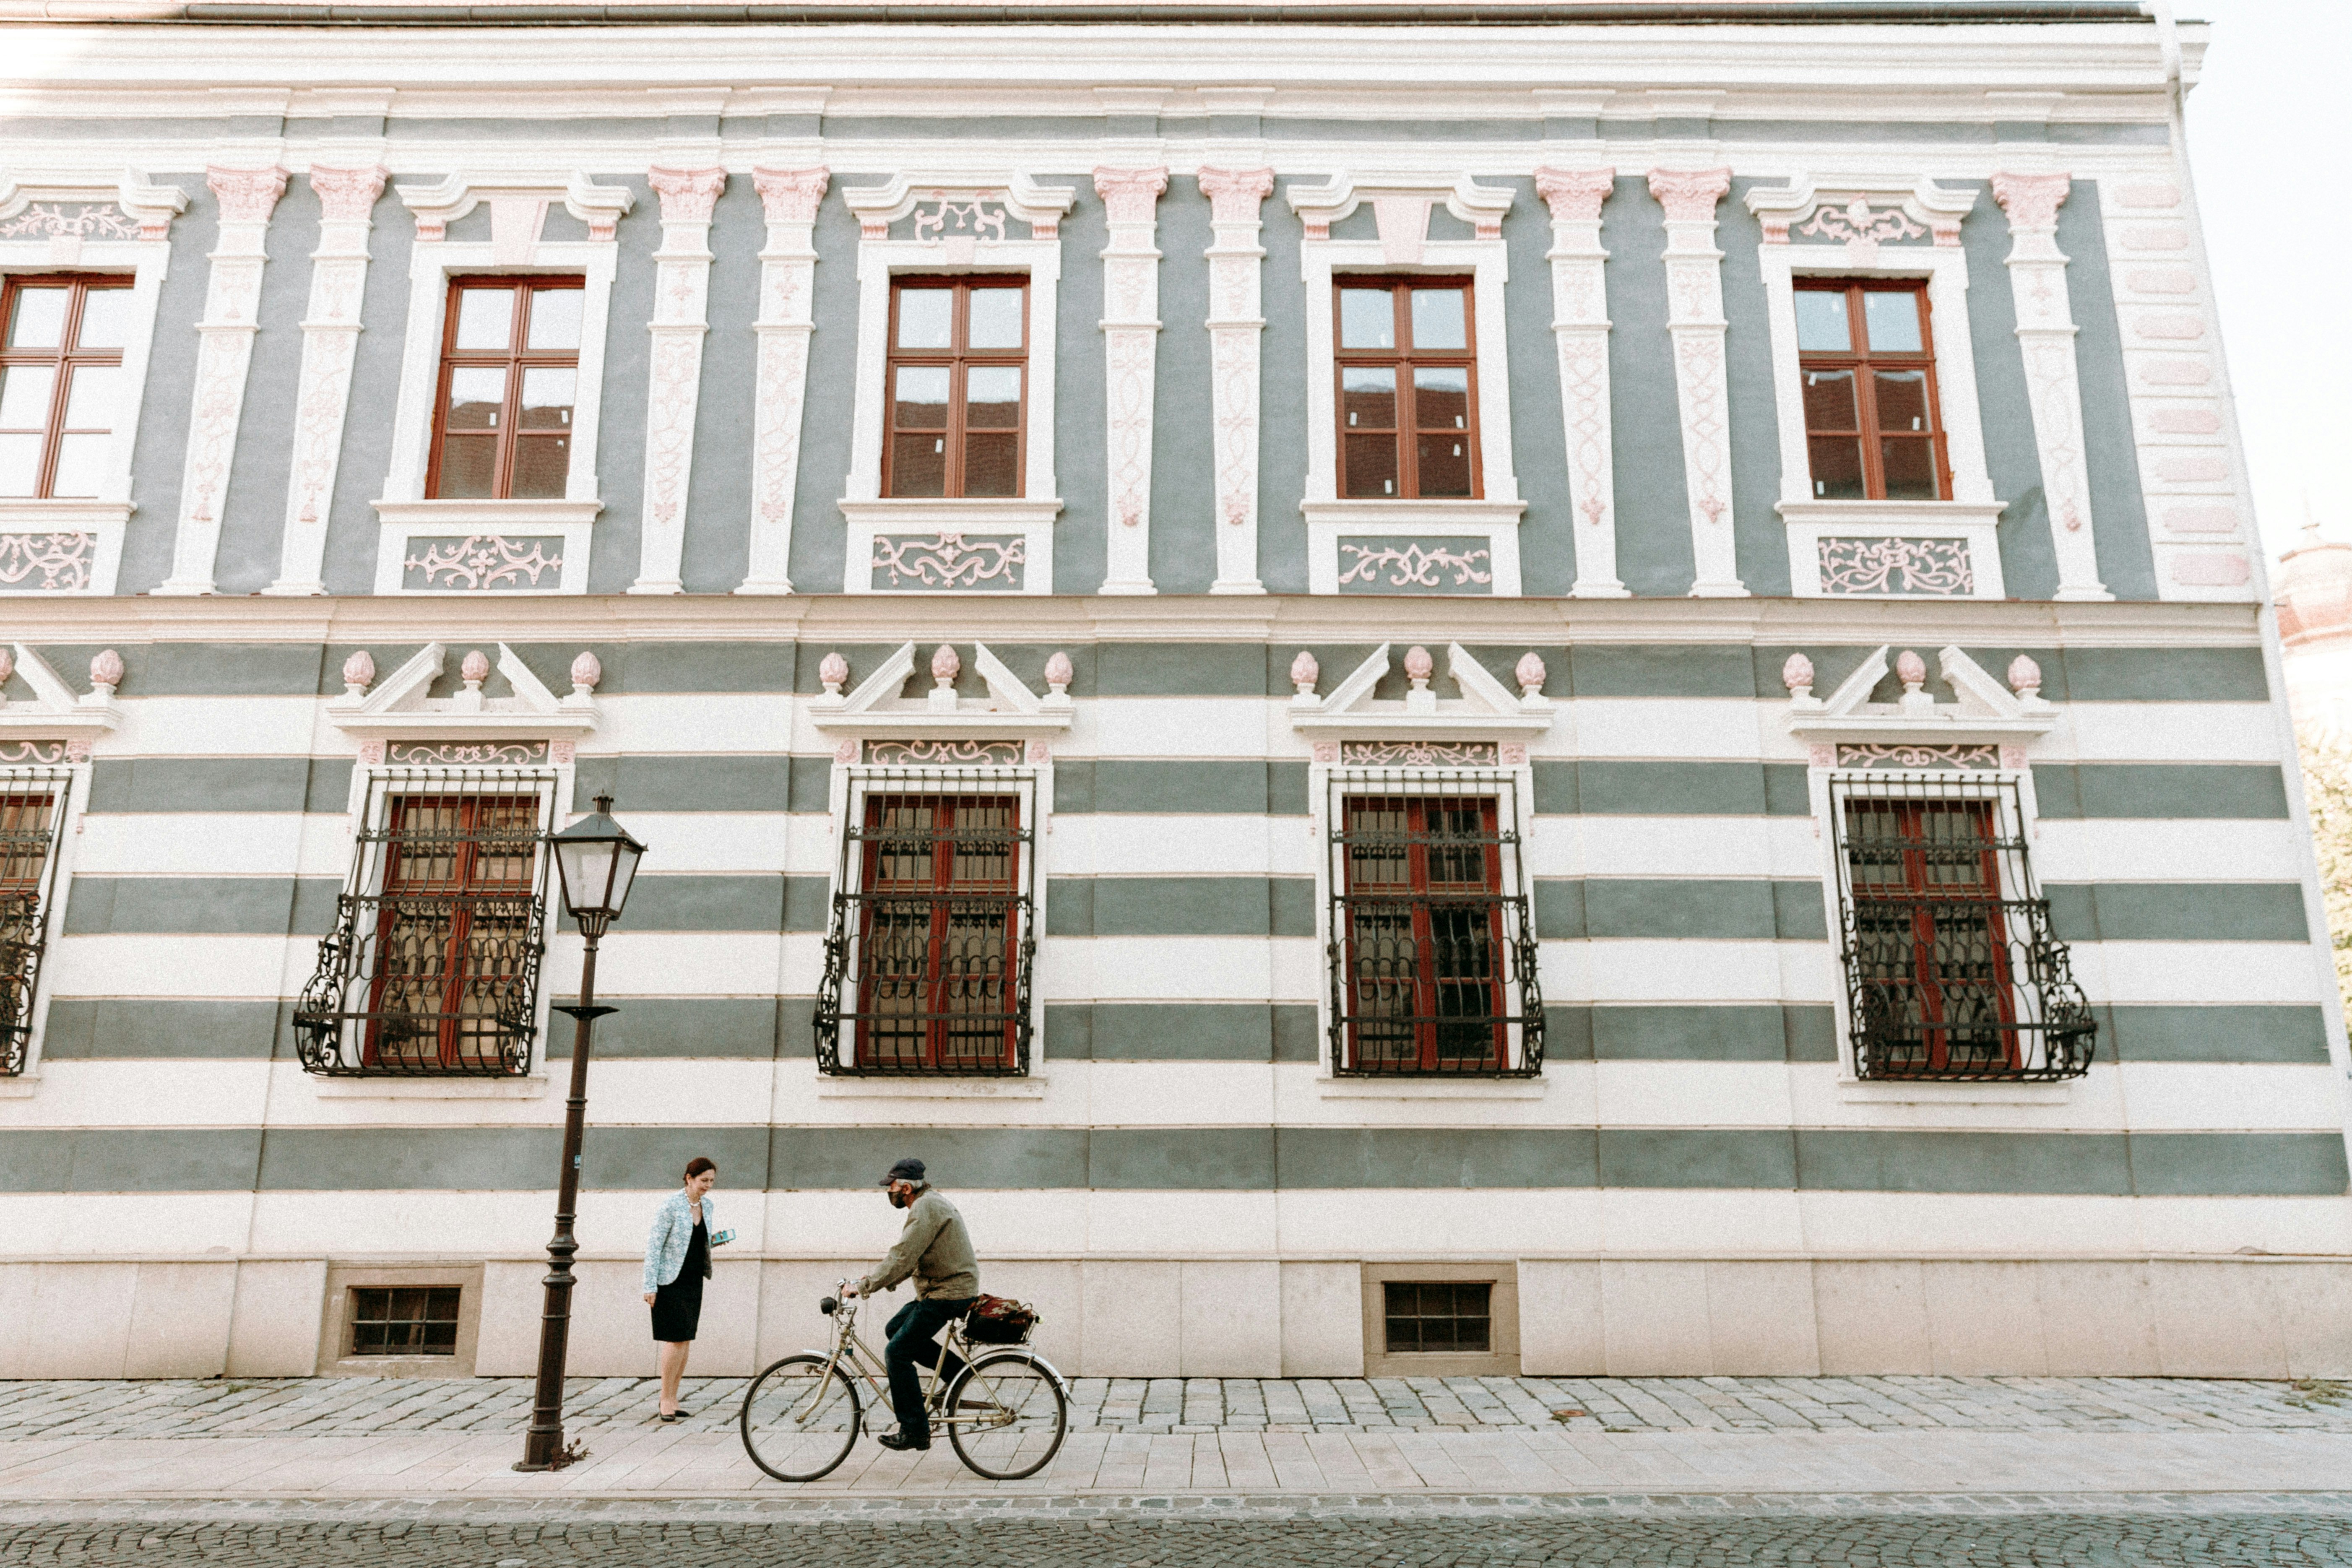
(934,1248)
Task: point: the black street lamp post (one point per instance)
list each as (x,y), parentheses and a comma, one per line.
(595,859)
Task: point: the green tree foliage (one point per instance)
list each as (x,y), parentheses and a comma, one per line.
(2327,786)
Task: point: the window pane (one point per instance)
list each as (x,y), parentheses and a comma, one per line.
(81,460)
(918,465)
(484,318)
(991,397)
(1829,400)
(1441,397)
(541,466)
(546,398)
(921,398)
(995,319)
(20,464)
(105,319)
(39,320)
(1836,464)
(1891,320)
(1367,319)
(991,464)
(926,318)
(1371,463)
(1820,322)
(90,397)
(555,317)
(24,397)
(1902,400)
(1366,398)
(1440,319)
(467,465)
(1443,465)
(1910,465)
(477,394)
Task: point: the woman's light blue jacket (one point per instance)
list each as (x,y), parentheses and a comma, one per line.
(673,1228)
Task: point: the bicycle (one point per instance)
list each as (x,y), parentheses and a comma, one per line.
(1005,1412)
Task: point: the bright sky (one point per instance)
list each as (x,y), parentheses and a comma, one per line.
(2270,139)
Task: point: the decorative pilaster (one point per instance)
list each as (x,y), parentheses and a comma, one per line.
(331,335)
(1579,326)
(1236,325)
(787,286)
(232,301)
(1131,327)
(1695,320)
(681,292)
(2045,336)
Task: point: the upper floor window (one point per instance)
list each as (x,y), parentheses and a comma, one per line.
(1434,957)
(1408,387)
(929,957)
(1951,969)
(433,966)
(509,378)
(957,387)
(32,805)
(60,383)
(1868,363)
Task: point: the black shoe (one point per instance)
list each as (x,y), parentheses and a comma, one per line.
(901,1441)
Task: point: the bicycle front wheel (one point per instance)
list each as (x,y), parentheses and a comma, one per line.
(799,1418)
(1006,1415)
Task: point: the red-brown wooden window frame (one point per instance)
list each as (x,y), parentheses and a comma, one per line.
(960,358)
(515,358)
(1421,890)
(1404,359)
(1979,898)
(67,358)
(944,883)
(466,879)
(1860,361)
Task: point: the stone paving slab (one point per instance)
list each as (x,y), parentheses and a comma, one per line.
(362,1406)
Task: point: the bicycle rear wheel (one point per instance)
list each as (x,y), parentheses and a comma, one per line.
(799,1418)
(1006,1415)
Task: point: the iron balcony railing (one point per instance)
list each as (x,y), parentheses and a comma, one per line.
(932,941)
(1431,944)
(433,966)
(32,805)
(1951,969)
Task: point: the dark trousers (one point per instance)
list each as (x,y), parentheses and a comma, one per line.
(910,1334)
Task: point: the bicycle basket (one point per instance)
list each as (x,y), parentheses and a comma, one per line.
(998,1321)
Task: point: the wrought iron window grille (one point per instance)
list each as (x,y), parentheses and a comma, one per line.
(1951,970)
(33,803)
(1431,941)
(932,939)
(432,969)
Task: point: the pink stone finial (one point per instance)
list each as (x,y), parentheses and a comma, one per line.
(945,665)
(833,671)
(106,670)
(476,668)
(587,670)
(1796,673)
(1418,667)
(358,672)
(7,662)
(2024,677)
(1530,673)
(1058,673)
(1305,672)
(1911,669)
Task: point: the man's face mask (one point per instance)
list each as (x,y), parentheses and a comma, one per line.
(900,1197)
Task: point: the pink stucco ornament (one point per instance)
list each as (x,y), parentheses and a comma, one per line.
(359,670)
(476,668)
(586,671)
(1911,669)
(1058,673)
(833,671)
(106,669)
(1530,674)
(945,665)
(1305,672)
(2024,677)
(1418,665)
(1796,671)
(7,662)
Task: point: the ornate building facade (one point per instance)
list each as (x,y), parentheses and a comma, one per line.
(1554,694)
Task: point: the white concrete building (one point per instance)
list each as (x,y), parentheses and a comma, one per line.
(1536,693)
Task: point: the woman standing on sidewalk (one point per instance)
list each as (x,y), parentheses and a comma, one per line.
(678,1260)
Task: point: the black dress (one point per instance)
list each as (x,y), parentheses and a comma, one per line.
(677,1306)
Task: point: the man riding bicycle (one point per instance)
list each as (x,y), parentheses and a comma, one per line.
(935,1247)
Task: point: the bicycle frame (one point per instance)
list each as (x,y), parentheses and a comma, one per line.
(863,1363)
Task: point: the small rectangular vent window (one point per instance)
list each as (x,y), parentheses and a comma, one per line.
(1447,1318)
(404,1321)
